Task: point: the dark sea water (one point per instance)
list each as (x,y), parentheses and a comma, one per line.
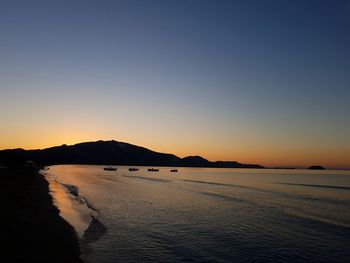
(205,215)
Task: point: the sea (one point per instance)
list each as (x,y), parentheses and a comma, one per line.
(205,214)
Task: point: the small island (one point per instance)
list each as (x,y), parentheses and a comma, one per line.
(316,167)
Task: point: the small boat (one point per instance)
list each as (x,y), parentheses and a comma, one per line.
(153,170)
(109,168)
(133,169)
(173,170)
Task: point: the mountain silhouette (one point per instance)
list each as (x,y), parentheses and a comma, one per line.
(316,167)
(109,152)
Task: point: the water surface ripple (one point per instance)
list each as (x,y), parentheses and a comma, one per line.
(210,215)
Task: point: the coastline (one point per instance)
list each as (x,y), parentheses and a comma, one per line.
(32,229)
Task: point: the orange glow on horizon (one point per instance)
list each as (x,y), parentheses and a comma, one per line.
(272,157)
(196,82)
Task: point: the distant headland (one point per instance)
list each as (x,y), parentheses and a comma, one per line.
(316,167)
(110,152)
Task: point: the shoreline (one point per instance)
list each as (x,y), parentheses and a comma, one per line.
(32,229)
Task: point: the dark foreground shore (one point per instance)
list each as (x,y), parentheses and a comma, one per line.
(31,229)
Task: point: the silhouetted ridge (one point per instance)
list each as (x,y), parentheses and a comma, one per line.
(109,152)
(196,161)
(316,167)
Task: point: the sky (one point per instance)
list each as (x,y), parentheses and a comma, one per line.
(263,82)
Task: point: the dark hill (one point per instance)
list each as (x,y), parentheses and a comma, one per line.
(196,161)
(316,167)
(109,152)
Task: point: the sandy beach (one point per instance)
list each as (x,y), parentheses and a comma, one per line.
(31,228)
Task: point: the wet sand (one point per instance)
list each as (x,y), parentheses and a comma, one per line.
(31,229)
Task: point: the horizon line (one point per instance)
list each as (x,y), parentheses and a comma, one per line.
(113,140)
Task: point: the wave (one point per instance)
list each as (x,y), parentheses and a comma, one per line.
(211,183)
(281,194)
(319,186)
(72,189)
(147,178)
(89,205)
(95,230)
(307,219)
(224,197)
(230,185)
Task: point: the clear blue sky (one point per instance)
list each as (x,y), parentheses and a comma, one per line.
(253,81)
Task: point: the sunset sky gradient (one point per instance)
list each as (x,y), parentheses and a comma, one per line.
(263,82)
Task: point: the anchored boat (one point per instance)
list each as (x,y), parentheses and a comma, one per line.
(109,168)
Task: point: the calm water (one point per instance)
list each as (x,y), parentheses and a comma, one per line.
(206,215)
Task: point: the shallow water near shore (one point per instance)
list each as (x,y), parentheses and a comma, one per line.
(205,214)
